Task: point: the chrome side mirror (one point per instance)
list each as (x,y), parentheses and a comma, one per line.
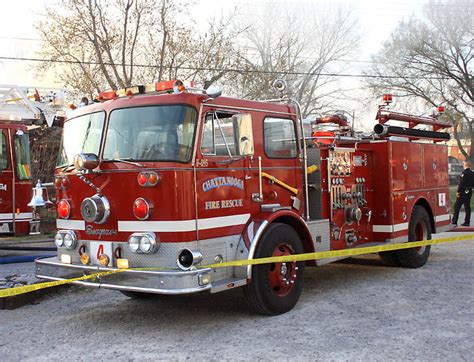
(86,161)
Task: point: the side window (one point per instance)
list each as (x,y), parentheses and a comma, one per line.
(3,152)
(207,142)
(221,132)
(22,154)
(280,138)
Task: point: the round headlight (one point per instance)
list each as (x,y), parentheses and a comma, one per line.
(146,244)
(134,243)
(59,240)
(70,240)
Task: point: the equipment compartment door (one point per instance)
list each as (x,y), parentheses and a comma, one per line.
(435,165)
(406,165)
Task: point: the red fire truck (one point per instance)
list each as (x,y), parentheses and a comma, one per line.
(162,180)
(19,111)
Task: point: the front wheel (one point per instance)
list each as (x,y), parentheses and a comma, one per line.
(276,287)
(419,229)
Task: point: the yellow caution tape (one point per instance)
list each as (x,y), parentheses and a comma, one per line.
(340,253)
(33,287)
(274,259)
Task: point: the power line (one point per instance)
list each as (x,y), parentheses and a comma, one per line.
(247,47)
(221,69)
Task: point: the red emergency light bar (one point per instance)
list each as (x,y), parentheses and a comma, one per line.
(177,86)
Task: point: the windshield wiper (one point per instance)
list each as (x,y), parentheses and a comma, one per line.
(125,160)
(66,168)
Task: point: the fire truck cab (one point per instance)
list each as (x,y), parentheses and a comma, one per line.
(19,111)
(162,183)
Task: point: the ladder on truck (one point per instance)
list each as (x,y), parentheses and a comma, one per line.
(31,106)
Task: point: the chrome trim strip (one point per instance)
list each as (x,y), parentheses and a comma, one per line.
(222,221)
(21,215)
(71,224)
(132,289)
(183,225)
(400,227)
(145,277)
(201,169)
(218,106)
(389,228)
(442,217)
(253,246)
(158,291)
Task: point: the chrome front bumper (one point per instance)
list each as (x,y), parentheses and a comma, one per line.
(158,282)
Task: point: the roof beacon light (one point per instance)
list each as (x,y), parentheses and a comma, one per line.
(387,98)
(440,109)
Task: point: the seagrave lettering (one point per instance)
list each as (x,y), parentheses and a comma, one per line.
(91,231)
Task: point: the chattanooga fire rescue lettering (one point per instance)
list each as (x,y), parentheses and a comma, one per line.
(223,204)
(222,181)
(276,189)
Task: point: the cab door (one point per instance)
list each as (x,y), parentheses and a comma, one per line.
(6,183)
(222,168)
(223,195)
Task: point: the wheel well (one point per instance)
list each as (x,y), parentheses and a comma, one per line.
(301,229)
(423,203)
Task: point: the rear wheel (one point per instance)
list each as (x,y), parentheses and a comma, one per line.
(419,229)
(276,287)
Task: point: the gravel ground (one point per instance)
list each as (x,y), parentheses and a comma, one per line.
(352,310)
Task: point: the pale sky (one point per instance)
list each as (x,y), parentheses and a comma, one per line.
(17,34)
(18,38)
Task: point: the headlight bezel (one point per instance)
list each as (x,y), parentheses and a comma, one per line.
(143,238)
(67,238)
(73,239)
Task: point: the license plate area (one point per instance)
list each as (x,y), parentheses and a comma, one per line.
(98,248)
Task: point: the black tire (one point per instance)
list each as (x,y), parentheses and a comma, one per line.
(138,295)
(419,229)
(275,288)
(389,258)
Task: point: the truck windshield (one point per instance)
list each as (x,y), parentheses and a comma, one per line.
(81,134)
(151,133)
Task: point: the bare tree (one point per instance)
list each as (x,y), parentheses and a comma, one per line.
(97,44)
(298,45)
(431,59)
